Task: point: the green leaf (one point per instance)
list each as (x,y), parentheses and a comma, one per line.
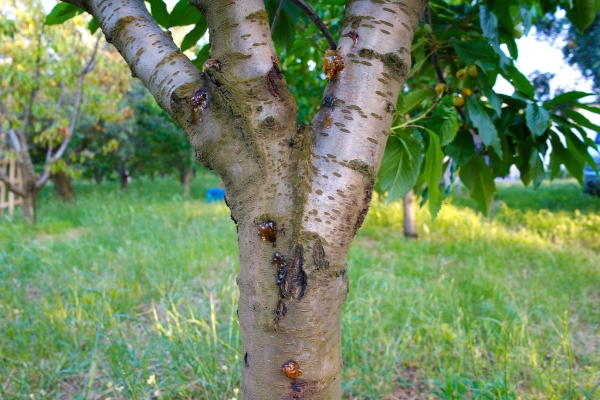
(537,118)
(587,107)
(560,155)
(494,99)
(476,175)
(202,56)
(527,19)
(482,121)
(489,24)
(462,148)
(433,173)
(184,14)
(415,98)
(536,170)
(158,9)
(400,166)
(478,52)
(580,119)
(194,35)
(566,98)
(578,148)
(93,25)
(285,31)
(582,14)
(519,81)
(61,13)
(444,120)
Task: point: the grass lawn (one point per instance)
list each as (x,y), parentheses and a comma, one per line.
(131,295)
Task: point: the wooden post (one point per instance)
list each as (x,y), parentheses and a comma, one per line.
(2,189)
(7,198)
(11,195)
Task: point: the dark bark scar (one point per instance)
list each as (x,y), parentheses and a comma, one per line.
(273,77)
(319,256)
(366,203)
(300,389)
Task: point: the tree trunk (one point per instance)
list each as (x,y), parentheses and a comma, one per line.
(29,207)
(99,176)
(410,215)
(187,180)
(298,194)
(63,184)
(124,178)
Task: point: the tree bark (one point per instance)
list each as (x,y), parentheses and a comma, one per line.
(187,177)
(298,194)
(29,208)
(410,215)
(124,178)
(63,185)
(99,176)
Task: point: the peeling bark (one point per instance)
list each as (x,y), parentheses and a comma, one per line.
(315,180)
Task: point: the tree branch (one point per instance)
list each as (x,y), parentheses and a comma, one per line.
(276,16)
(50,159)
(15,137)
(303,5)
(36,80)
(149,51)
(440,73)
(11,186)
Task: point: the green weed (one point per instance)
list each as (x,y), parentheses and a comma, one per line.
(131,295)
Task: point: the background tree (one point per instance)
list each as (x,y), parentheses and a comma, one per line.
(43,74)
(317,180)
(579,50)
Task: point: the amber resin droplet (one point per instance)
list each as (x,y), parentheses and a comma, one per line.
(268,231)
(332,63)
(328,121)
(292,369)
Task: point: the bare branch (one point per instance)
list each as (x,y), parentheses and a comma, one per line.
(50,159)
(318,22)
(15,137)
(11,186)
(36,82)
(434,54)
(276,16)
(149,51)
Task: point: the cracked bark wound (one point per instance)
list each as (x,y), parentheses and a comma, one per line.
(316,180)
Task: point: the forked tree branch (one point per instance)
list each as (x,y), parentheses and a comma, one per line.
(52,158)
(304,6)
(149,51)
(11,186)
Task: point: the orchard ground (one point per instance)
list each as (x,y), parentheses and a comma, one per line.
(132,295)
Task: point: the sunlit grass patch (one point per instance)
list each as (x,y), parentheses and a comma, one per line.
(132,295)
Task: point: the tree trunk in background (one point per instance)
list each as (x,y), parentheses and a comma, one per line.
(316,180)
(99,176)
(29,207)
(63,184)
(124,178)
(187,180)
(410,215)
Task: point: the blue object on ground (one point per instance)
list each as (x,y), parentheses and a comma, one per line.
(215,194)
